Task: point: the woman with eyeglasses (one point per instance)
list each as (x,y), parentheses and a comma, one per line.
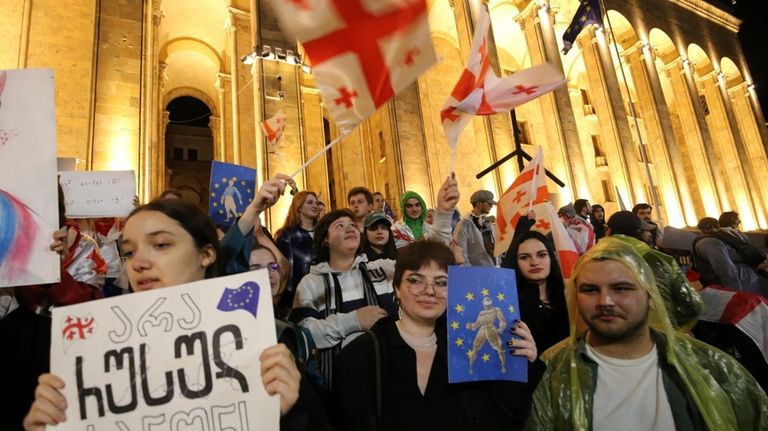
(396,376)
(167,243)
(344,294)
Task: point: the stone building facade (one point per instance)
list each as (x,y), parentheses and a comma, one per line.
(676,63)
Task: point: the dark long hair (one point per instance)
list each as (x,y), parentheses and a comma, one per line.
(555,282)
(321,251)
(390,250)
(193,220)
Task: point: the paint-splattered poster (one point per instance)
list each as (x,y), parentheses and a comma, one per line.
(177,358)
(28,196)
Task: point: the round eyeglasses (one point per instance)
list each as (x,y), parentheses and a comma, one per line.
(417,285)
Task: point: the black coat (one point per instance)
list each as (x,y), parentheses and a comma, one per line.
(466,406)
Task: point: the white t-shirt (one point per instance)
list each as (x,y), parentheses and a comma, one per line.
(630,394)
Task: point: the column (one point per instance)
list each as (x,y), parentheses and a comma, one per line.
(225,145)
(735,170)
(695,144)
(659,136)
(231,29)
(564,155)
(215,125)
(741,100)
(620,147)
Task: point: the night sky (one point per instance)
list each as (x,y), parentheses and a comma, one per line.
(754,14)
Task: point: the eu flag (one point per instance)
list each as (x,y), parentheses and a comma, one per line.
(245,297)
(482,307)
(232,189)
(587,13)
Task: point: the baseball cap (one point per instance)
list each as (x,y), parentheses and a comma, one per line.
(482,196)
(374,218)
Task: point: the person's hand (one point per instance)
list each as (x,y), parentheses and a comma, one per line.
(448,196)
(280,375)
(62,238)
(136,202)
(270,192)
(525,346)
(531,215)
(49,405)
(369,315)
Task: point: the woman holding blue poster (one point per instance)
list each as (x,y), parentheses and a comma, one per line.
(168,243)
(396,375)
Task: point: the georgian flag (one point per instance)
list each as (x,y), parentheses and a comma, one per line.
(529,193)
(362,52)
(747,311)
(480,92)
(273,129)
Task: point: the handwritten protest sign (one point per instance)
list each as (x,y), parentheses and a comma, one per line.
(28,203)
(482,307)
(98,193)
(184,356)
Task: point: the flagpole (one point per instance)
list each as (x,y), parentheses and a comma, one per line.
(643,154)
(343,135)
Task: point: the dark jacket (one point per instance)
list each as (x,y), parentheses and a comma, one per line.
(465,406)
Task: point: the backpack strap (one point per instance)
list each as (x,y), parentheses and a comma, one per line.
(377,371)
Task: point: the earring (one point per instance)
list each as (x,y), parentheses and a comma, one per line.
(399,309)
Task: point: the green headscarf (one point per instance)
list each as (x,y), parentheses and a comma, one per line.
(416,225)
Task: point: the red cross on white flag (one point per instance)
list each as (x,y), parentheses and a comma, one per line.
(76,328)
(480,92)
(529,193)
(362,52)
(273,129)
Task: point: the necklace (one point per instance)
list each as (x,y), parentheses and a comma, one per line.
(418,343)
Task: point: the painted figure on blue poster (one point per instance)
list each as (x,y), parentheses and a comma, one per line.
(481,304)
(487,331)
(232,189)
(228,200)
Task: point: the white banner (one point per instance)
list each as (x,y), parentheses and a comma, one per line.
(28,199)
(98,193)
(184,357)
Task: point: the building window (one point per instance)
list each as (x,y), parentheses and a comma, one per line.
(608,191)
(192,154)
(589,109)
(178,154)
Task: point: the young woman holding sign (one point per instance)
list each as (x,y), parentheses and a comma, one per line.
(396,375)
(167,243)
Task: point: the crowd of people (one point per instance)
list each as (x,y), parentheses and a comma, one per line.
(360,299)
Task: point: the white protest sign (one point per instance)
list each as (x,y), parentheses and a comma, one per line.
(183,357)
(98,193)
(28,199)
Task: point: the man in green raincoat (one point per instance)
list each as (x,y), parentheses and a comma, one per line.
(624,364)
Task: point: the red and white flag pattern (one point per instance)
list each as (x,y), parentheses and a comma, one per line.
(77,328)
(480,92)
(746,311)
(273,129)
(362,52)
(529,193)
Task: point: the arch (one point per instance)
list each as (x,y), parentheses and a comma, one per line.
(623,32)
(700,61)
(193,92)
(731,72)
(191,44)
(510,40)
(662,45)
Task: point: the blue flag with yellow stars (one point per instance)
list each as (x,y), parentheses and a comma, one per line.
(245,297)
(232,189)
(482,308)
(588,13)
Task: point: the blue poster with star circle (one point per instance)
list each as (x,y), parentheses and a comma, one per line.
(232,189)
(482,308)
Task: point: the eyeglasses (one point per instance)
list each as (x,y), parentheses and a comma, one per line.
(417,285)
(271,266)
